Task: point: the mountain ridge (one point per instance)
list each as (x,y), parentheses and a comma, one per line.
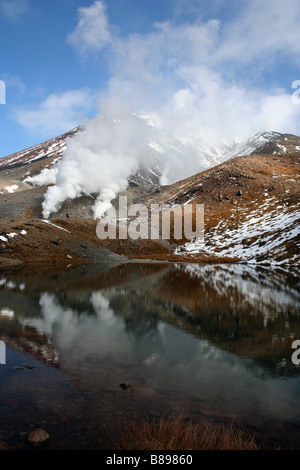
(251,207)
(210,155)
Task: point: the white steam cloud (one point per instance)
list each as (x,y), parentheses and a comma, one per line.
(100,160)
(192,82)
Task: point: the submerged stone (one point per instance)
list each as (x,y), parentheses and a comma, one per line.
(37,437)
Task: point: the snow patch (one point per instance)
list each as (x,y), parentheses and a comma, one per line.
(54,225)
(282,147)
(11,189)
(12,235)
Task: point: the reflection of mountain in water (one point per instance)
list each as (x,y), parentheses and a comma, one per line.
(247,311)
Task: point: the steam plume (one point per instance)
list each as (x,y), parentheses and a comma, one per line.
(100,160)
(192,83)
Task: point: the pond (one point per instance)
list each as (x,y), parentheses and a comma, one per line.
(212,341)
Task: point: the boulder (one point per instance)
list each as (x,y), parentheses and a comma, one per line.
(37,437)
(55,241)
(125,386)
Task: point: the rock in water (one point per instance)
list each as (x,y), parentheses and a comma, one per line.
(37,437)
(125,386)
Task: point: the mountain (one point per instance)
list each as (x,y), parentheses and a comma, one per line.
(251,206)
(48,153)
(250,197)
(265,142)
(51,149)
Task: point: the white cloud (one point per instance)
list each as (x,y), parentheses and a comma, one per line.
(178,72)
(262,30)
(58,113)
(15,82)
(13,9)
(92,32)
(156,58)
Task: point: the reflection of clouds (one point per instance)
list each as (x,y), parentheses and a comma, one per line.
(151,359)
(7,312)
(10,285)
(132,333)
(111,330)
(102,309)
(53,316)
(80,333)
(197,366)
(53,313)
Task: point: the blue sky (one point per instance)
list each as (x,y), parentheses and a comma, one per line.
(231,62)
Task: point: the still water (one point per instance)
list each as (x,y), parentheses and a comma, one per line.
(210,341)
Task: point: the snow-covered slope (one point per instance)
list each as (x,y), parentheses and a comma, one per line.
(251,207)
(268,229)
(262,142)
(49,149)
(205,156)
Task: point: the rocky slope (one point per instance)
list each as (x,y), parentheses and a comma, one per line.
(251,209)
